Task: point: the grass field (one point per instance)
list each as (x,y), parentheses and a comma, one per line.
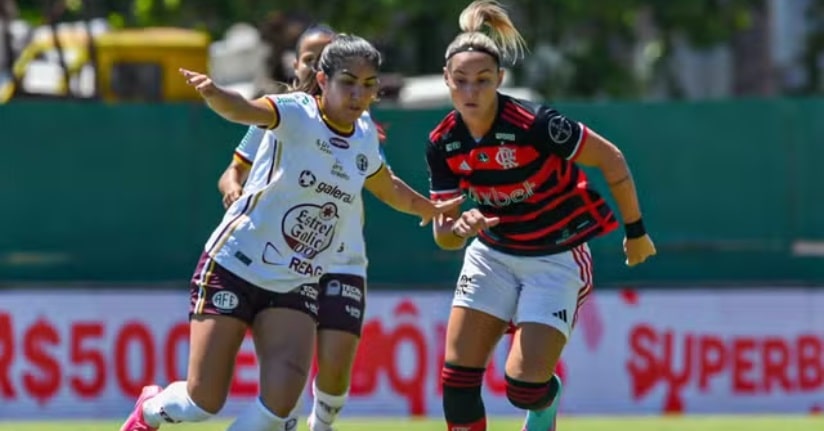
(707,423)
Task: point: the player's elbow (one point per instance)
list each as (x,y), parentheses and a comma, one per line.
(612,163)
(603,155)
(222,182)
(225,180)
(238,110)
(236,115)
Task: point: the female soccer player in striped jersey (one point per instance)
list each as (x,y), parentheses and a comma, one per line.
(534,214)
(260,267)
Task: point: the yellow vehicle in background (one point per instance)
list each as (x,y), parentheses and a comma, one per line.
(127,65)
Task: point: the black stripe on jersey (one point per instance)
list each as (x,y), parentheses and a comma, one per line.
(566,211)
(517,115)
(551,244)
(543,192)
(542,199)
(443,127)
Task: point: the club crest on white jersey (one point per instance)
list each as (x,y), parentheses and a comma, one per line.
(301,196)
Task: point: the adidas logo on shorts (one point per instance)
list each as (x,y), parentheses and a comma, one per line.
(562,314)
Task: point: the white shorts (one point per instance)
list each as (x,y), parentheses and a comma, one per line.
(540,289)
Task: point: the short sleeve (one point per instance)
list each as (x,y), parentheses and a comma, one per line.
(373,159)
(249,145)
(381,133)
(558,133)
(382,154)
(382,139)
(443,183)
(289,109)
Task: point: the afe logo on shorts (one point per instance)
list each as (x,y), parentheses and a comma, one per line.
(308,229)
(225,300)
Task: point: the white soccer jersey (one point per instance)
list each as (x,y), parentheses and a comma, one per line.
(350,251)
(301,198)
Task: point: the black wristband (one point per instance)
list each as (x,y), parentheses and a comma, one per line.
(635,229)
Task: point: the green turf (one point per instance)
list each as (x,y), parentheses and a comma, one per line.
(703,423)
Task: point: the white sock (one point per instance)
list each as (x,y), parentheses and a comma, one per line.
(257,417)
(173,405)
(294,415)
(325,407)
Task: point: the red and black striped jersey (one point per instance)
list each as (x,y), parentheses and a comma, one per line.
(522,171)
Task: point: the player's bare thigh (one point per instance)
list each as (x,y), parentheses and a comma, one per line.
(485,297)
(284,342)
(554,286)
(221,307)
(471,336)
(214,342)
(284,332)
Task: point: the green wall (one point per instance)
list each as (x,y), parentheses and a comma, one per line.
(93,192)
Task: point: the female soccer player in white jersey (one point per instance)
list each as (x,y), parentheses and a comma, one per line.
(261,266)
(342,299)
(535,213)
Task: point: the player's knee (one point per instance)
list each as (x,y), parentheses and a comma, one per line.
(333,376)
(279,404)
(283,377)
(531,396)
(281,386)
(336,355)
(462,401)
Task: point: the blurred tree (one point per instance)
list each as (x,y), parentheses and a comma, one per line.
(8,12)
(600,45)
(813,54)
(581,48)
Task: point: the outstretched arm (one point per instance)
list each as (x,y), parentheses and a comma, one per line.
(231,105)
(393,191)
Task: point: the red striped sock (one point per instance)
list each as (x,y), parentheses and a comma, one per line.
(479,425)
